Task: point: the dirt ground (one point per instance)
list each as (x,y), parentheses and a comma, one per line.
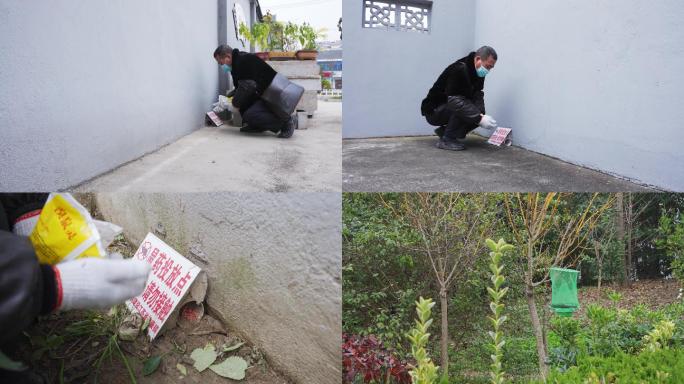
(653,293)
(81,346)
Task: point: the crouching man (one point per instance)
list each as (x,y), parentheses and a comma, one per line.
(455,103)
(266,99)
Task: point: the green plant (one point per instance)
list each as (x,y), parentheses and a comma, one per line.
(660,336)
(662,366)
(425,371)
(671,231)
(307,36)
(496,292)
(99,325)
(258,33)
(567,330)
(325,84)
(599,320)
(614,297)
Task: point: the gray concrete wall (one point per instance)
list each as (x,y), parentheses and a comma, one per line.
(274,266)
(89,85)
(388,73)
(594,83)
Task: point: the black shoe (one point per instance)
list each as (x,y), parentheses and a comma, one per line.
(450,145)
(248,129)
(289,128)
(439,131)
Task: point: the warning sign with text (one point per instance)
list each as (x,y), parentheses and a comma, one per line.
(500,136)
(171,277)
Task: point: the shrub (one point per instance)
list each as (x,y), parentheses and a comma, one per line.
(425,371)
(366,360)
(566,329)
(661,366)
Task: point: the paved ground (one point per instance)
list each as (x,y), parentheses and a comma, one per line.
(415,164)
(223,159)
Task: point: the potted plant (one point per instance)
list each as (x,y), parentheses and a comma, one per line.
(307,37)
(257,34)
(283,39)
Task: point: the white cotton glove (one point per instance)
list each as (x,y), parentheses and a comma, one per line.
(488,122)
(99,283)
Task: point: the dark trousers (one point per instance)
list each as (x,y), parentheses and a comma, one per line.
(259,118)
(456,128)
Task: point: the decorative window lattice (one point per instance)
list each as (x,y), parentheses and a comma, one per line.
(402,15)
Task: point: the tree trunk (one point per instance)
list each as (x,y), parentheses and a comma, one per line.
(620,221)
(444,340)
(599,262)
(534,315)
(630,227)
(538,333)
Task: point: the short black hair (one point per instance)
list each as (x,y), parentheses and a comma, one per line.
(485,52)
(223,50)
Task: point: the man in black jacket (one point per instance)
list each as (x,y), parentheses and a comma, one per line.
(455,103)
(251,76)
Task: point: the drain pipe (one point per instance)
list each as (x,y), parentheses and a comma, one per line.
(222,24)
(252,19)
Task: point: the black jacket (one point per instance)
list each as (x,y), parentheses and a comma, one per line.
(247,66)
(27,288)
(459,79)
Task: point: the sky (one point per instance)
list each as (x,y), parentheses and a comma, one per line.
(318,13)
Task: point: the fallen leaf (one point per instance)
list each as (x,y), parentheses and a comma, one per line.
(232,348)
(233,368)
(204,357)
(181,368)
(151,365)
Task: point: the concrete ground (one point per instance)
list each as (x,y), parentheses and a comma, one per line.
(412,164)
(224,159)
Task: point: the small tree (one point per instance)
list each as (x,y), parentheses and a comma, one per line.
(450,228)
(550,230)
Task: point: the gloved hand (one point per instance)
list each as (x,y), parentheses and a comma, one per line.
(99,283)
(488,122)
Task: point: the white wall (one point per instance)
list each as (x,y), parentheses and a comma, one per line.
(388,73)
(88,85)
(273,262)
(596,83)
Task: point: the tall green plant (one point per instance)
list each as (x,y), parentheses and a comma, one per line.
(497,292)
(425,371)
(671,240)
(660,336)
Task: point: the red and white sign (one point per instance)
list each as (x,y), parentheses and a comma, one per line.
(214,118)
(500,136)
(171,277)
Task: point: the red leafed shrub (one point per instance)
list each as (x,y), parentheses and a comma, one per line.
(366,360)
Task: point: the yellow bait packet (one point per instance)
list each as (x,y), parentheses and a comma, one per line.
(65,231)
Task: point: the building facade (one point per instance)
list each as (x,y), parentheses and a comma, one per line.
(331,67)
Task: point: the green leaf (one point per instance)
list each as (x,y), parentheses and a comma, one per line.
(145,324)
(233,368)
(151,365)
(491,244)
(203,357)
(9,364)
